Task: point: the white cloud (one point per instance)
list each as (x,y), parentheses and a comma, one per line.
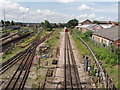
(115,5)
(83,16)
(107,19)
(23,9)
(47,12)
(16,12)
(101,18)
(89,16)
(66,1)
(85,7)
(92,16)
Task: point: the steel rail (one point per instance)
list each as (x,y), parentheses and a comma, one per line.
(74,66)
(69,65)
(27,61)
(65,63)
(9,63)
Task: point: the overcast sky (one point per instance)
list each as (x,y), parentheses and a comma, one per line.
(58,10)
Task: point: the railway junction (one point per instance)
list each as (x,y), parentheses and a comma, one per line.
(46,64)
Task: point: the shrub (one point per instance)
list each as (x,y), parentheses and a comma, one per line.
(48,29)
(113,61)
(88,33)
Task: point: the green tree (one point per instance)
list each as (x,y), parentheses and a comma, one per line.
(12,23)
(46,25)
(42,24)
(72,23)
(2,22)
(7,23)
(96,22)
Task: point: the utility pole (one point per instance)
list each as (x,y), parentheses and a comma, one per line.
(4,12)
(4,18)
(4,15)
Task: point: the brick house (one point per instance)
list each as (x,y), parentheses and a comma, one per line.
(107,36)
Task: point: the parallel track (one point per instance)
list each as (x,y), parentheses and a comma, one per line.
(6,47)
(9,63)
(21,74)
(71,76)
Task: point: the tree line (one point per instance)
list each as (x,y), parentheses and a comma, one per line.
(7,23)
(49,26)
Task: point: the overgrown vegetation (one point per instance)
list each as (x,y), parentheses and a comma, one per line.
(54,38)
(102,53)
(107,56)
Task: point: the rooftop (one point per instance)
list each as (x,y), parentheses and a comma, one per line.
(106,25)
(87,26)
(111,34)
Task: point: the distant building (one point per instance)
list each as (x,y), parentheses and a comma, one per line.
(106,25)
(86,27)
(106,22)
(86,22)
(115,25)
(107,37)
(18,23)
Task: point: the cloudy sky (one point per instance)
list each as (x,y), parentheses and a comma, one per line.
(58,10)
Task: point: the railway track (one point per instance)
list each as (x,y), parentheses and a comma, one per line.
(7,46)
(71,76)
(9,63)
(21,74)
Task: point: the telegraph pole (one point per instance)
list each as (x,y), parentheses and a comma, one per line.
(4,13)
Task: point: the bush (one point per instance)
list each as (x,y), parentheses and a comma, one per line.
(9,52)
(48,29)
(88,33)
(110,66)
(113,61)
(105,65)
